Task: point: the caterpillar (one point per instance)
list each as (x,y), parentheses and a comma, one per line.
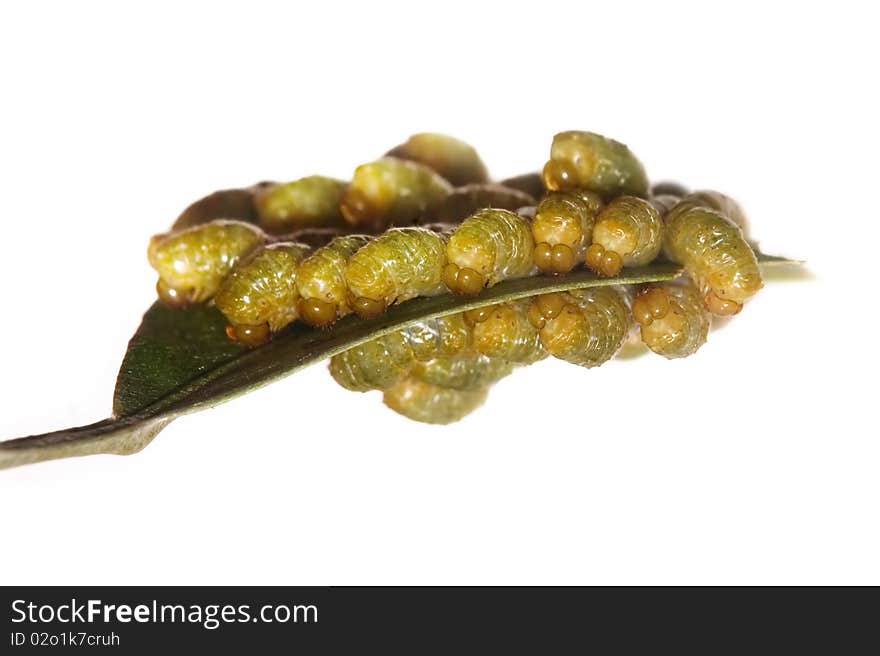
(463,372)
(451,158)
(672,319)
(583,326)
(719,202)
(489,246)
(628,232)
(192,262)
(668,188)
(310,202)
(505,332)
(381,362)
(400,264)
(423,402)
(714,253)
(236,204)
(391,192)
(562,229)
(585,160)
(466,200)
(259,297)
(321,281)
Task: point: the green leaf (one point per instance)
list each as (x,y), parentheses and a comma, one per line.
(180,362)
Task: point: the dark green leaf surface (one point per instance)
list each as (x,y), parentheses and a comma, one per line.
(181,361)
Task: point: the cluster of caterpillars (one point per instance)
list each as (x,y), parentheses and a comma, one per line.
(424,220)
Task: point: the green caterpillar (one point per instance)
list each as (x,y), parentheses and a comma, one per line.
(672,319)
(321,281)
(192,263)
(584,326)
(451,158)
(310,202)
(391,192)
(504,332)
(563,228)
(714,253)
(260,296)
(423,402)
(400,264)
(585,160)
(489,246)
(628,232)
(467,371)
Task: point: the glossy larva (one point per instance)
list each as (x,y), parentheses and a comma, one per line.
(230,204)
(431,404)
(628,232)
(672,319)
(455,160)
(715,255)
(374,365)
(715,200)
(668,188)
(310,202)
(464,201)
(441,337)
(259,297)
(465,371)
(506,333)
(321,281)
(583,326)
(400,264)
(391,192)
(489,246)
(562,229)
(192,263)
(585,160)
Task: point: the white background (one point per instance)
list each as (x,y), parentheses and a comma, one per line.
(755,461)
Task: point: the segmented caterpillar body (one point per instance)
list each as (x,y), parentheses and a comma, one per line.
(259,297)
(584,326)
(391,192)
(489,246)
(562,229)
(672,319)
(464,201)
(715,255)
(192,263)
(455,160)
(310,202)
(719,202)
(400,264)
(321,281)
(585,160)
(383,361)
(431,404)
(628,232)
(506,333)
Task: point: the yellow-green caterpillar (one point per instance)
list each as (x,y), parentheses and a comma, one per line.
(310,202)
(714,253)
(453,159)
(321,281)
(391,192)
(192,263)
(259,297)
(583,326)
(628,232)
(431,404)
(671,318)
(505,332)
(466,371)
(562,229)
(585,160)
(489,246)
(400,264)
